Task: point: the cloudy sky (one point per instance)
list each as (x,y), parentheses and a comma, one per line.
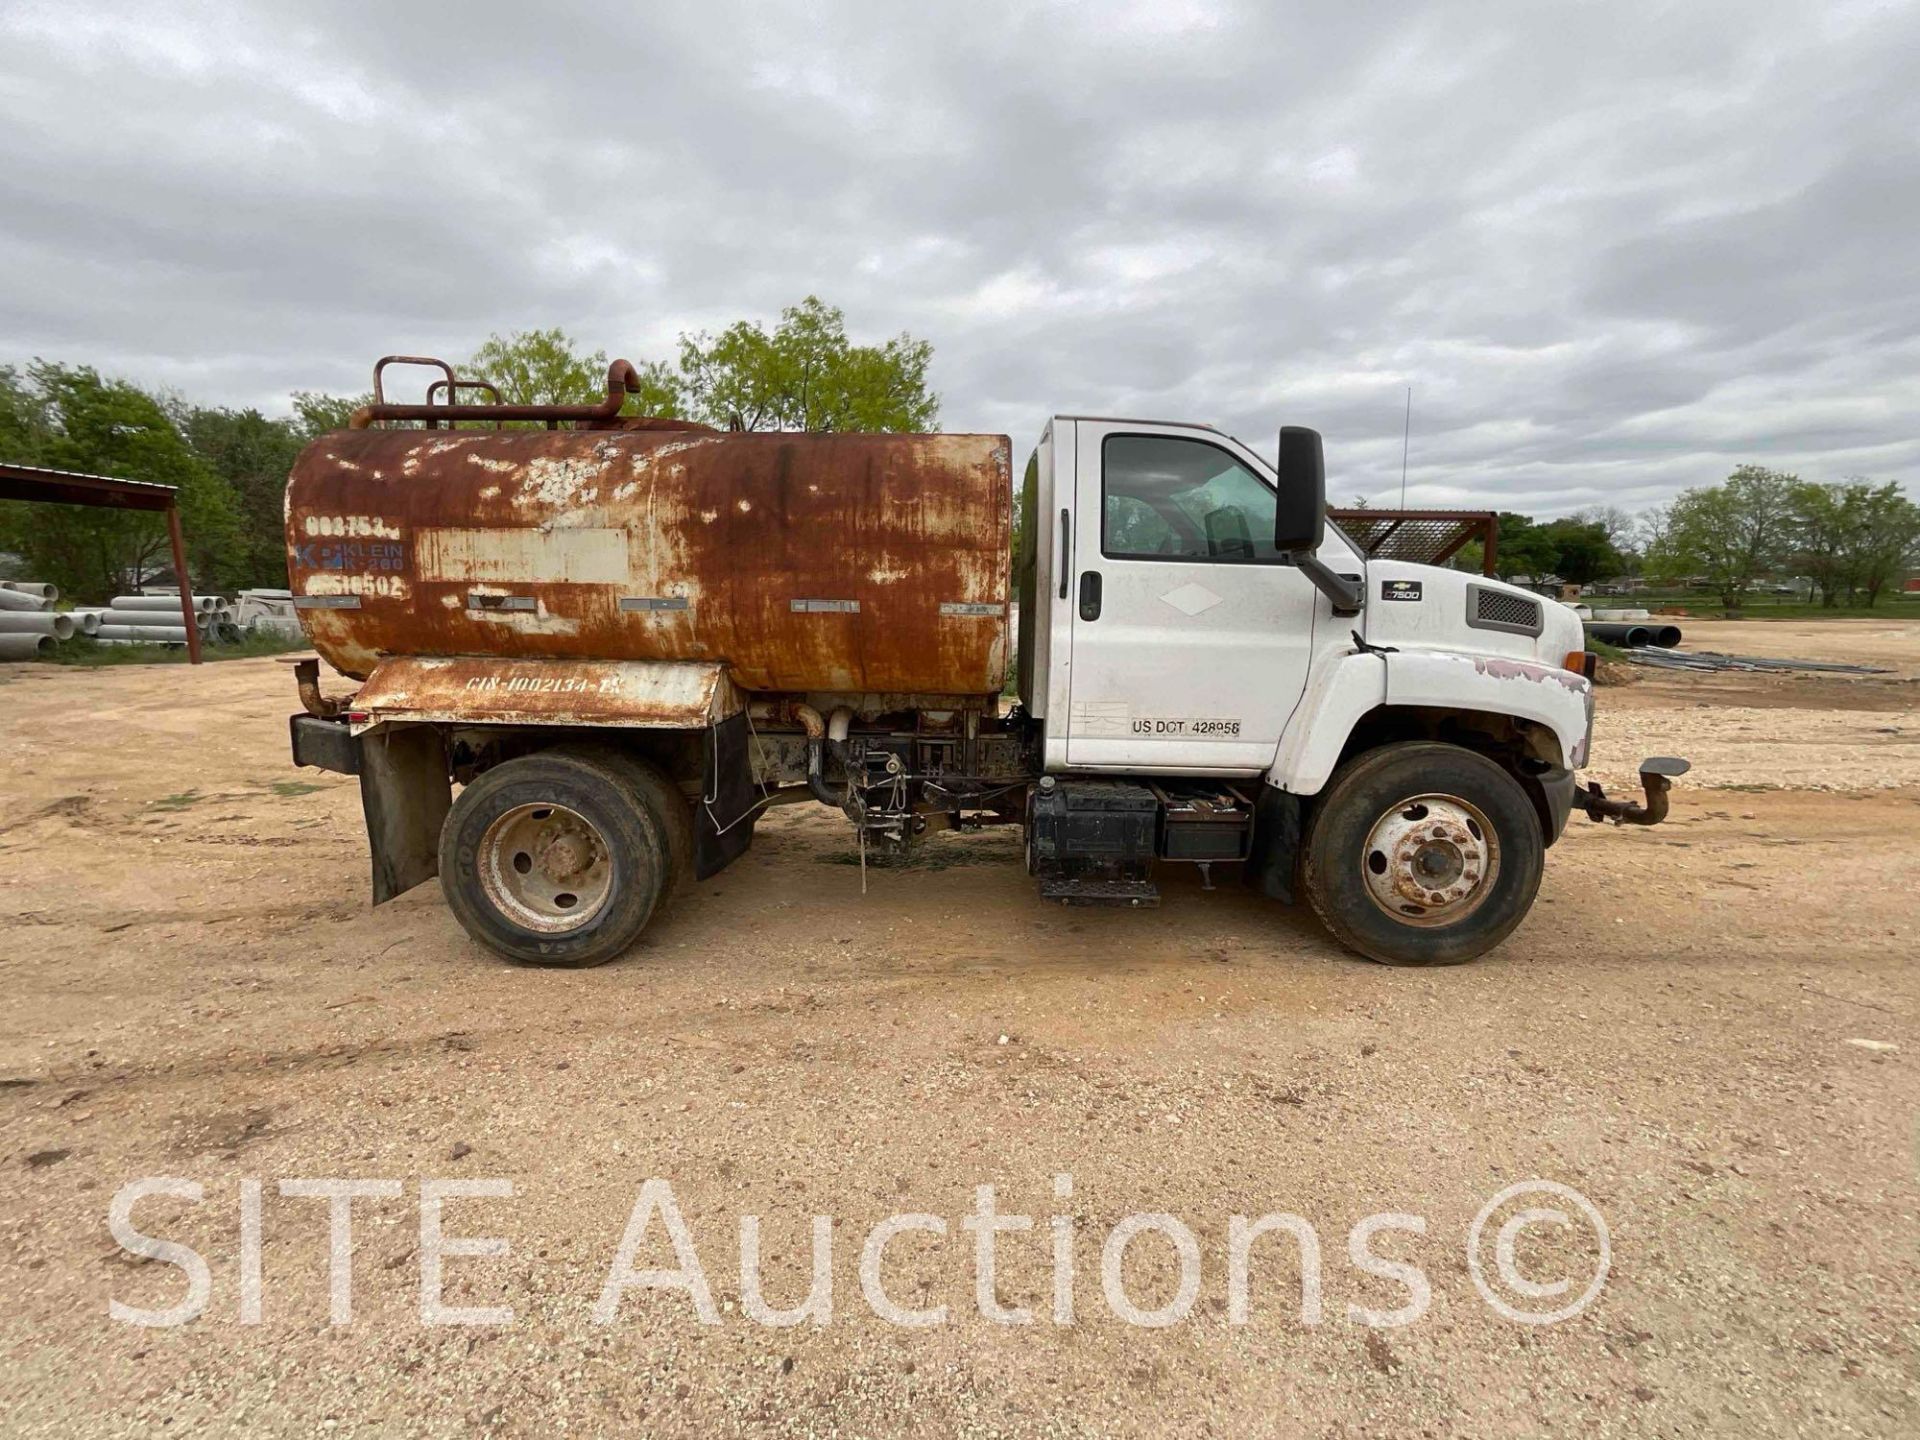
(1614,248)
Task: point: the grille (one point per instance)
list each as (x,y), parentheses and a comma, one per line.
(1497,610)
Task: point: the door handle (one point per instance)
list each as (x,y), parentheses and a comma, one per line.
(1090,595)
(1066,550)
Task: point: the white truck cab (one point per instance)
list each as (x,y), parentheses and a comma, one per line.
(1187,614)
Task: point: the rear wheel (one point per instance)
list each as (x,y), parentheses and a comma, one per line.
(1422,854)
(666,806)
(553,859)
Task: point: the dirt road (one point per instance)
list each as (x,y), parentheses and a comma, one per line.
(199,990)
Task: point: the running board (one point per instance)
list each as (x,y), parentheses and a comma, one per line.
(1142,893)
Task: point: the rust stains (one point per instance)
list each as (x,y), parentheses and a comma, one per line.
(641,694)
(665,545)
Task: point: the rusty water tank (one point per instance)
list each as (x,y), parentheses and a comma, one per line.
(806,562)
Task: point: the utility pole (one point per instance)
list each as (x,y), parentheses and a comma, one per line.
(1406,436)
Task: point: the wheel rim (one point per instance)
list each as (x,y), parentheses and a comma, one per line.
(545,868)
(1430,860)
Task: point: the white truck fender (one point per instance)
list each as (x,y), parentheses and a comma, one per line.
(1339,693)
(1526,690)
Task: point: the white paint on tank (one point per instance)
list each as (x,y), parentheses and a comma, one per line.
(548,557)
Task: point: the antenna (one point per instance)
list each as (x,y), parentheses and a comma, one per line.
(1406,437)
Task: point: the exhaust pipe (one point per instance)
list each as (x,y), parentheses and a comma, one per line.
(1657,775)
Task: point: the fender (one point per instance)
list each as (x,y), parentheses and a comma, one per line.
(1339,692)
(1496,685)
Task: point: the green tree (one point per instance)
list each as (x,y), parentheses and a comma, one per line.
(1523,548)
(316,413)
(538,367)
(1822,527)
(108,427)
(1885,540)
(1728,534)
(806,375)
(1582,550)
(253,455)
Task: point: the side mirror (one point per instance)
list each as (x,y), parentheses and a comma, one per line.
(1300,518)
(1300,510)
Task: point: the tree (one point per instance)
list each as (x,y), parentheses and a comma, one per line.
(1729,534)
(1622,529)
(538,367)
(1821,527)
(253,455)
(1886,540)
(1582,550)
(1524,548)
(803,375)
(77,421)
(316,413)
(806,375)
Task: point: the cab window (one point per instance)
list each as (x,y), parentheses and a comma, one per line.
(1170,498)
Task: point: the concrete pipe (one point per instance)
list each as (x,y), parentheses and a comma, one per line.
(1631,636)
(170,603)
(147,634)
(38,588)
(25,647)
(145,617)
(37,622)
(150,644)
(87,622)
(16,600)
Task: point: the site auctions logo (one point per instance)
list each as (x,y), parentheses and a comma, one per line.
(655,1229)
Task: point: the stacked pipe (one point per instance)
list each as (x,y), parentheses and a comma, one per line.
(152,619)
(1632,634)
(28,625)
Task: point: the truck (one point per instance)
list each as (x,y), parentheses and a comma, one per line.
(592,649)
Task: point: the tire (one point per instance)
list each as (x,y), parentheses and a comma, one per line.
(552,859)
(1422,853)
(670,811)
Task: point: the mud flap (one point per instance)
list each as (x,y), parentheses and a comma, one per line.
(1276,844)
(723,821)
(405,794)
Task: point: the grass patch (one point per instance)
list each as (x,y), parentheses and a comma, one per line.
(287,789)
(177,802)
(1604,650)
(84,650)
(1760,607)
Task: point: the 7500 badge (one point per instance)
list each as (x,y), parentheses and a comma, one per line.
(1399,589)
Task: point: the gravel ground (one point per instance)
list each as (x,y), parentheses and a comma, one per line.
(1707,1029)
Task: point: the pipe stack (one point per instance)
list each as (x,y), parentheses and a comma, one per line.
(28,625)
(152,619)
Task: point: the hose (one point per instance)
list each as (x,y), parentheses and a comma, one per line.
(816,729)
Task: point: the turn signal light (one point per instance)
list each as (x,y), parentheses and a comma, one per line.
(1581,662)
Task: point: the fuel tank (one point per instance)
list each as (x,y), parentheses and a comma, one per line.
(805,562)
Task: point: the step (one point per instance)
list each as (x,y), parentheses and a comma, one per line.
(1141,893)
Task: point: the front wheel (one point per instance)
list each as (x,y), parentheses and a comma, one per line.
(553,859)
(1422,853)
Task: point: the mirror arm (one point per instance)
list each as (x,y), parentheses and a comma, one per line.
(1347,595)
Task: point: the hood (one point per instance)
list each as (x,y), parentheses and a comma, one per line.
(1439,609)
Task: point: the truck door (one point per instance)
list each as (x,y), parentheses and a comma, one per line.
(1190,640)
